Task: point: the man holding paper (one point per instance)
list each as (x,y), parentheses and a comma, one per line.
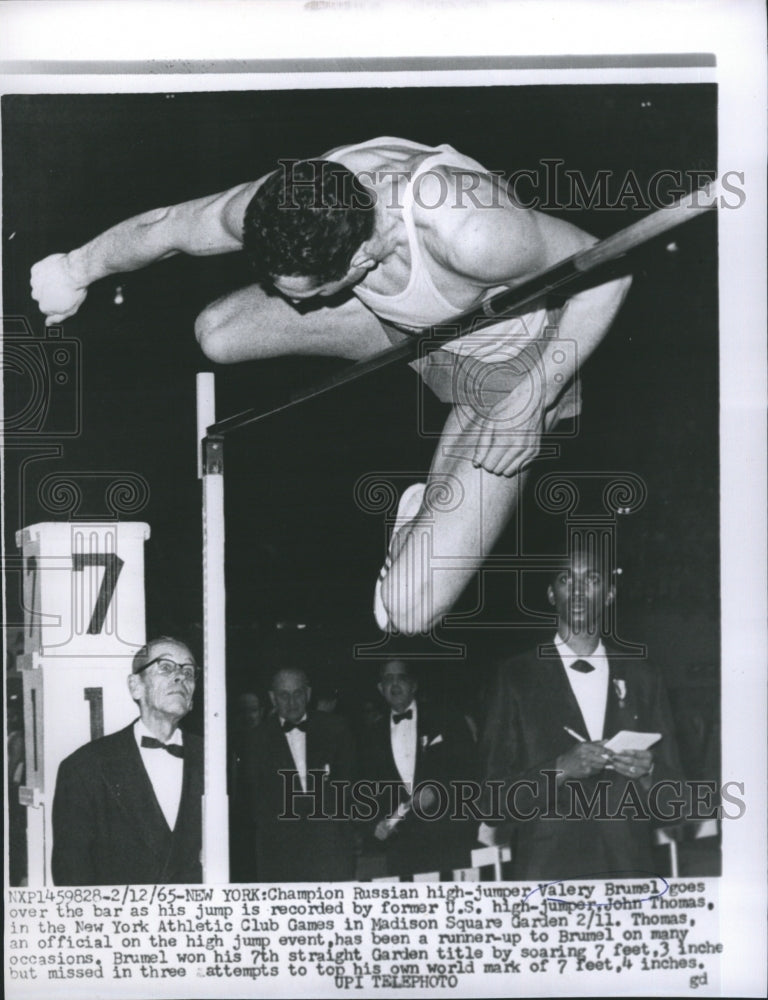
(581,743)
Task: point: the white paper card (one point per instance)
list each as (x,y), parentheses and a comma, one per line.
(629,740)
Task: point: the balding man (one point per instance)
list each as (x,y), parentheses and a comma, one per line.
(298,765)
(127,806)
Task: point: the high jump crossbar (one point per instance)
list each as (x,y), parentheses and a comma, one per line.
(502,304)
(211,435)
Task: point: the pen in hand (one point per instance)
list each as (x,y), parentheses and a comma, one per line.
(574,734)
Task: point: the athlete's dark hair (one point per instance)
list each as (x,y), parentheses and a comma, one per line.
(308,218)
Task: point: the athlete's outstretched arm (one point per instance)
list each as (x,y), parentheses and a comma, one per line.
(205,226)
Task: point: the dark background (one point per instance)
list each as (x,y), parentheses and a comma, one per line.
(299,549)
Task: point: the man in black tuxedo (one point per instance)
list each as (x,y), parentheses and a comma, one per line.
(298,763)
(418,752)
(550,713)
(127,807)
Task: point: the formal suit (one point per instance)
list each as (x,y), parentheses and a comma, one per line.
(302,849)
(530,705)
(108,828)
(445,752)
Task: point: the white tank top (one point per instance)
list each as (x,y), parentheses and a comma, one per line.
(421,304)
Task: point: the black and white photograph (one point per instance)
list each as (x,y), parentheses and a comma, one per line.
(382,543)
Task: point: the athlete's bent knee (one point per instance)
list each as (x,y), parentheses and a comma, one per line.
(409,608)
(212,335)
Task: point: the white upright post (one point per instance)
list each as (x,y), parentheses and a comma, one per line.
(215,799)
(83,621)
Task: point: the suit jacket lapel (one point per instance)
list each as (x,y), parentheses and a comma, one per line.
(130,786)
(616,710)
(187,830)
(279,744)
(426,730)
(391,772)
(317,745)
(562,705)
(390,768)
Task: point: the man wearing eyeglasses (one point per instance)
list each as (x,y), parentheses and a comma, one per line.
(127,807)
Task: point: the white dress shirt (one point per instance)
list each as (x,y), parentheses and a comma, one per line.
(165,772)
(297,744)
(403,737)
(590,689)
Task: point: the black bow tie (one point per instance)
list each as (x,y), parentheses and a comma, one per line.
(289,726)
(407,714)
(582,666)
(174,749)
